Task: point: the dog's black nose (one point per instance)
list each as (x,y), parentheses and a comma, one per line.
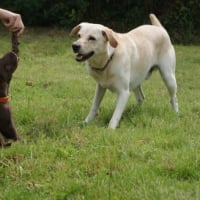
(76,47)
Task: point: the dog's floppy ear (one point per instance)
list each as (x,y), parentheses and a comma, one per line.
(108,34)
(75,30)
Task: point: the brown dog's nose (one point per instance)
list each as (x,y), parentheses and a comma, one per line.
(76,47)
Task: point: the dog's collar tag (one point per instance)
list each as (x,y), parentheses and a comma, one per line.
(4,99)
(105,66)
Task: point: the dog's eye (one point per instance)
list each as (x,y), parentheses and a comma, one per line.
(79,35)
(91,38)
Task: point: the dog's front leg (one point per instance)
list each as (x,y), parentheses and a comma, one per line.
(99,94)
(121,103)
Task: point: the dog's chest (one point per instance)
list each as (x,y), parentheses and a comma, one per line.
(104,79)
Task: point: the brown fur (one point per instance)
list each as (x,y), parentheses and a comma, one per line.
(8,64)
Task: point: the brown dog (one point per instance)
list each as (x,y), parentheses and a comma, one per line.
(8,64)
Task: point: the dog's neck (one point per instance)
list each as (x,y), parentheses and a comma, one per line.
(101,69)
(3,89)
(101,61)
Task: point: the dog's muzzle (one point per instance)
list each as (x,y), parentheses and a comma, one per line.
(80,56)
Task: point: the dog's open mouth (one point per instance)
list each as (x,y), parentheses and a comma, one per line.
(83,57)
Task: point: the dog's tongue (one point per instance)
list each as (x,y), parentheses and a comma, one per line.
(79,57)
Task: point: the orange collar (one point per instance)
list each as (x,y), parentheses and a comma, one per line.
(4,99)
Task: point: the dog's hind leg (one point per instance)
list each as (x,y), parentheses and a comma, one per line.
(170,82)
(139,95)
(167,71)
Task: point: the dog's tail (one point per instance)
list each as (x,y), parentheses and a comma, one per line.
(154,20)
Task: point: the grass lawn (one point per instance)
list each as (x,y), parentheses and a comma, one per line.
(153,155)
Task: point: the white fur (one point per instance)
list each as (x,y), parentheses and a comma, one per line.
(134,55)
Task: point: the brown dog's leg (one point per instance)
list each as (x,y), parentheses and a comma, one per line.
(3,143)
(9,132)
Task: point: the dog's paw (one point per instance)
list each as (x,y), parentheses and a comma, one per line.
(84,124)
(4,145)
(112,125)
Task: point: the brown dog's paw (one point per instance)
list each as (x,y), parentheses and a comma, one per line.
(4,145)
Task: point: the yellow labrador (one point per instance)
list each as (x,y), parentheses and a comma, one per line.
(120,62)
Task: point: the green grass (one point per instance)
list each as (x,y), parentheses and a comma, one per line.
(154,154)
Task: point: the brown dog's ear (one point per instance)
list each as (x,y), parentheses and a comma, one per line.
(108,34)
(75,30)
